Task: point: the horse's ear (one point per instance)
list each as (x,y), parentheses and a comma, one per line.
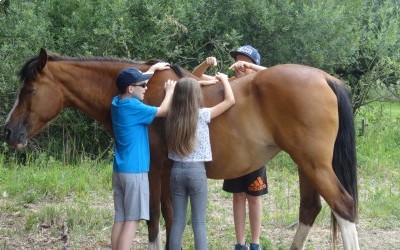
(42,58)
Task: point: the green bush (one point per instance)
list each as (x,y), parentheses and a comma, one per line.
(358,41)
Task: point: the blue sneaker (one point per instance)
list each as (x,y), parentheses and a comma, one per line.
(254,246)
(241,247)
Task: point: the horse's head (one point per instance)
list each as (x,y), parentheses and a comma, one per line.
(38,101)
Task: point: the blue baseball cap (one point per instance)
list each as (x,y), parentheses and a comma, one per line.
(130,76)
(248,51)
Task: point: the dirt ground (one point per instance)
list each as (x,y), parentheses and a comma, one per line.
(220,231)
(46,239)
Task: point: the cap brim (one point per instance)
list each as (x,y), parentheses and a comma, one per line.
(147,76)
(144,77)
(234,54)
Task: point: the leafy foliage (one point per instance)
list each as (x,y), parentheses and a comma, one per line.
(359,41)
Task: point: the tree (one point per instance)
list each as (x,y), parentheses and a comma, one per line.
(376,65)
(356,40)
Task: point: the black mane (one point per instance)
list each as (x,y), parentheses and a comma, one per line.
(32,66)
(30,69)
(178,70)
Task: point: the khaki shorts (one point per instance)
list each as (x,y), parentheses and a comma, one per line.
(131,196)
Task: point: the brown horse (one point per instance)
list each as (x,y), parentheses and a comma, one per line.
(301,110)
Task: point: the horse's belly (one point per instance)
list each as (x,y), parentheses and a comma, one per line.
(232,164)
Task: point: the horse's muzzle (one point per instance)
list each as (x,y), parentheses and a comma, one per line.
(15,136)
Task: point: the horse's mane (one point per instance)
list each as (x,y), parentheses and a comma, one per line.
(178,70)
(32,66)
(30,69)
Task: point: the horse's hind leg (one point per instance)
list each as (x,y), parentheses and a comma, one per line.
(310,206)
(349,233)
(320,174)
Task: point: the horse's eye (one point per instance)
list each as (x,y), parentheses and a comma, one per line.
(29,90)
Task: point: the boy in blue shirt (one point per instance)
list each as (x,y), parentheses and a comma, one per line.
(130,119)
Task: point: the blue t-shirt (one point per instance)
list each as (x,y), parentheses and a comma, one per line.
(130,119)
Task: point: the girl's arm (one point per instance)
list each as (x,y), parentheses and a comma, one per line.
(229,99)
(166,103)
(208,82)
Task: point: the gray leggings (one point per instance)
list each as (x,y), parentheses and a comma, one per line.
(188,179)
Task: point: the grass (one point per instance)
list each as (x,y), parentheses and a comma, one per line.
(55,196)
(43,198)
(379,163)
(54,180)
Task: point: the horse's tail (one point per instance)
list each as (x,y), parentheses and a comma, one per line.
(344,156)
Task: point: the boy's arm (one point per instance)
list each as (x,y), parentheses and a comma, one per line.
(202,67)
(157,66)
(243,65)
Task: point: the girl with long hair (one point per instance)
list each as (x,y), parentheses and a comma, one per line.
(189,147)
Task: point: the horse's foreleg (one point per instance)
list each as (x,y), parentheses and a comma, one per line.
(153,224)
(310,206)
(166,205)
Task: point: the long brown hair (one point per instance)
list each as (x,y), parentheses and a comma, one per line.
(182,116)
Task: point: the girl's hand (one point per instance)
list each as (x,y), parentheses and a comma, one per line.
(169,85)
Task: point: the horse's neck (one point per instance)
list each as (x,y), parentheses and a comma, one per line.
(90,87)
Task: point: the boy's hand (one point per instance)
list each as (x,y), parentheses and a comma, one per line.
(159,66)
(211,61)
(239,66)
